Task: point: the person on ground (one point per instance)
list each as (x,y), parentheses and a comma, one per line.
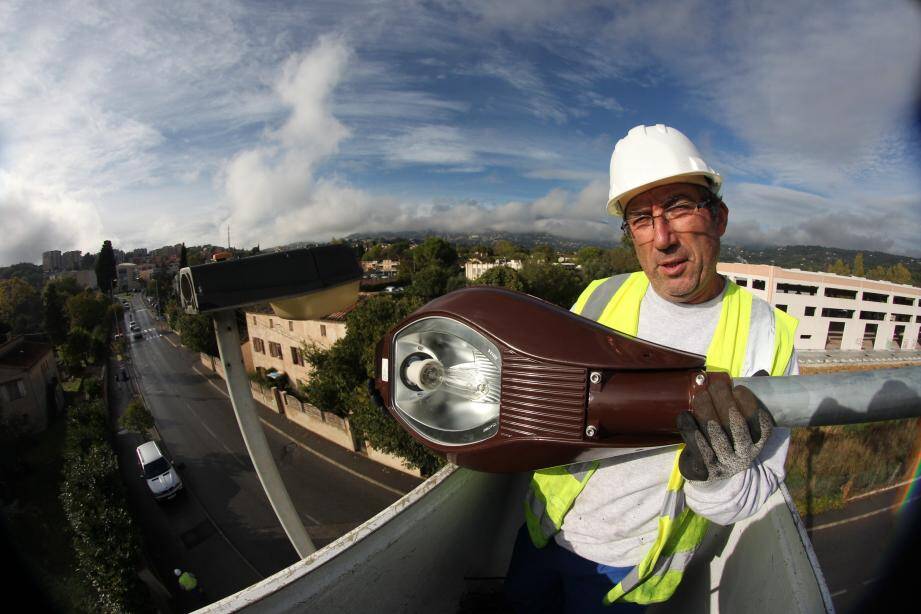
(617,534)
(187,581)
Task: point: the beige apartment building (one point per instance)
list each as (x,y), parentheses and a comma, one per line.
(276,343)
(837,312)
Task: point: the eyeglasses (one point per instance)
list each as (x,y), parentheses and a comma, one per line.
(680,215)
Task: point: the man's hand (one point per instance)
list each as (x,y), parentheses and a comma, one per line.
(725,433)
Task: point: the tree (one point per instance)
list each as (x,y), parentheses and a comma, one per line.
(435,269)
(899,274)
(502,276)
(136,417)
(197,333)
(858,265)
(77,349)
(20,306)
(88,262)
(506,250)
(105,267)
(88,310)
(183,257)
(341,372)
(543,253)
(552,283)
(54,313)
(839,268)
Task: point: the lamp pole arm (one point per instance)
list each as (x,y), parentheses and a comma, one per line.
(840,398)
(228,343)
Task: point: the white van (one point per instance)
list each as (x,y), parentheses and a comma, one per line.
(158,472)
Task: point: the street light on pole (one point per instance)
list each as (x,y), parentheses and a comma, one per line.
(298,284)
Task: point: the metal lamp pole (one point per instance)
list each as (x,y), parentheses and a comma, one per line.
(228,343)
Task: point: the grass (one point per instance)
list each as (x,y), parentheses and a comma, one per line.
(828,465)
(37,525)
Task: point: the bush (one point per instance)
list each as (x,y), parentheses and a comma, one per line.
(105,540)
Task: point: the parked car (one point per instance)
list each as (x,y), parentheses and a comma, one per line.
(134,327)
(138,334)
(161,477)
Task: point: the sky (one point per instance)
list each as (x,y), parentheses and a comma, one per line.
(155,123)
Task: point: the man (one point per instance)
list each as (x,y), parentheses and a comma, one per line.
(616,534)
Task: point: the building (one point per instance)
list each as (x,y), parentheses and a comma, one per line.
(384,268)
(127,276)
(474,268)
(85,278)
(276,343)
(70,261)
(835,311)
(30,387)
(51,261)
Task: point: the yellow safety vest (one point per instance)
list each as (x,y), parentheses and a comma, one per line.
(615,302)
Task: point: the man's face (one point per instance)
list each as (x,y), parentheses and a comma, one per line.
(680,265)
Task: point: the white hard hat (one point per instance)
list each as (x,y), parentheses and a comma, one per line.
(655,155)
(178,572)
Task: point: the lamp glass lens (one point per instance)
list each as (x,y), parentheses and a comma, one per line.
(446,383)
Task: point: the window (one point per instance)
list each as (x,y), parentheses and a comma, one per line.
(903,300)
(271,323)
(742,282)
(872,315)
(258,345)
(900,317)
(875,298)
(797,289)
(254,320)
(758,284)
(810,311)
(275,349)
(846,314)
(10,391)
(783,308)
(322,330)
(296,356)
(840,293)
(290,325)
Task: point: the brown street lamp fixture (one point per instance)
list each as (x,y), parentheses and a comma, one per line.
(501,381)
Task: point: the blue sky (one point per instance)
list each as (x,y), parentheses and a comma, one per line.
(157,123)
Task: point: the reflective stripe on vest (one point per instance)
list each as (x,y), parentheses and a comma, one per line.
(750,336)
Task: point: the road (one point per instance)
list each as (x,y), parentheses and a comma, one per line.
(223,528)
(862,547)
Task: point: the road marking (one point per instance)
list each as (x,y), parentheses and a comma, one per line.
(861,516)
(884,489)
(331,461)
(218,439)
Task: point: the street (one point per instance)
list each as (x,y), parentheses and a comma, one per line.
(858,547)
(222,527)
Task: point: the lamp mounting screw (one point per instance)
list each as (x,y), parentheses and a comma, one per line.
(700,379)
(595,377)
(590,431)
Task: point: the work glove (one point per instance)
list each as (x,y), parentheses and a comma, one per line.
(725,433)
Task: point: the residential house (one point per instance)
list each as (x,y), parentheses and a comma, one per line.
(29,383)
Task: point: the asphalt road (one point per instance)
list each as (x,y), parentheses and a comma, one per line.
(222,527)
(864,548)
